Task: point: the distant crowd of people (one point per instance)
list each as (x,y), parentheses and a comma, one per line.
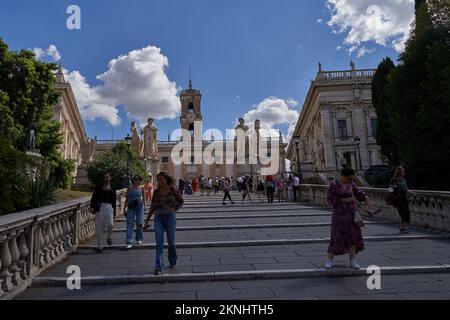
(246,185)
(165,200)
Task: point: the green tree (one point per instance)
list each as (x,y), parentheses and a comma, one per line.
(115,162)
(27,97)
(383,110)
(418,99)
(12,177)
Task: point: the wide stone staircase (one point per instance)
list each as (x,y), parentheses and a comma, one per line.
(255,251)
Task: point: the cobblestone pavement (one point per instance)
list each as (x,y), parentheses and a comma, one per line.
(256,251)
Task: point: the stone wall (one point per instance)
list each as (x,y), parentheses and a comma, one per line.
(429,209)
(34,240)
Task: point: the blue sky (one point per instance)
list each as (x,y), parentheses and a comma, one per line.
(242,52)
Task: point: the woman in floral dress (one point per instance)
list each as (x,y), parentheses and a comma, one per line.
(346,236)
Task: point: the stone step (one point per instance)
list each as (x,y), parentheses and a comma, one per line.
(247,243)
(239,275)
(260,226)
(244,216)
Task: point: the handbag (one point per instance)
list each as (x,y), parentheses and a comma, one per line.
(390,198)
(357,219)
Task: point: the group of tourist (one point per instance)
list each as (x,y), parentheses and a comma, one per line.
(343,196)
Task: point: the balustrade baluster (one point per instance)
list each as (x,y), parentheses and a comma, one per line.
(5,257)
(61,234)
(47,241)
(15,257)
(24,252)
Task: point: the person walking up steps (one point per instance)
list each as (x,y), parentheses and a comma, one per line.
(270,188)
(103,205)
(195,186)
(148,187)
(226,191)
(280,187)
(260,188)
(134,212)
(346,234)
(166,203)
(246,189)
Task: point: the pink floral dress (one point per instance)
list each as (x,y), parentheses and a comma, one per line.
(344,232)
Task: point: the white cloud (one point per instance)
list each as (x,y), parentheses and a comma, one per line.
(384,22)
(137,81)
(91,103)
(273,111)
(51,52)
(363,51)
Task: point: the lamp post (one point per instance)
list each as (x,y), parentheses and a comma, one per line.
(358,141)
(127,179)
(299,170)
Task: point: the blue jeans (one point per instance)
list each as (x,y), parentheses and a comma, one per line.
(135,215)
(166,224)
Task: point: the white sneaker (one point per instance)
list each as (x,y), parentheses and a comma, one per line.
(139,242)
(328,265)
(129,246)
(354,265)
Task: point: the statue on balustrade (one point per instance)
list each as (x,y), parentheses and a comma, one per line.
(136,142)
(150,133)
(88,151)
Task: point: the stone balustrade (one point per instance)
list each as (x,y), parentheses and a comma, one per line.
(34,240)
(429,209)
(346,74)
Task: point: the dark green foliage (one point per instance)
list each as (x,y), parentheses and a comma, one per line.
(115,162)
(41,187)
(383,111)
(415,103)
(27,97)
(12,177)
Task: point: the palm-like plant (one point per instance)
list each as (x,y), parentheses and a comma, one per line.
(41,187)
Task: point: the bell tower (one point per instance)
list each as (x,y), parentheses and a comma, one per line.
(190,108)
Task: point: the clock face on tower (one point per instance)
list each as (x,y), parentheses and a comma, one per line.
(191,117)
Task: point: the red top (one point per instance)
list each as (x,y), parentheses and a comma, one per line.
(270,178)
(148,187)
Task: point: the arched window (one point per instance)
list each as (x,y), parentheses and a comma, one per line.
(191,107)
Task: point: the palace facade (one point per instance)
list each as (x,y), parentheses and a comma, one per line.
(337,125)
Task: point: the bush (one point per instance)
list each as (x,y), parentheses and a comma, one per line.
(115,162)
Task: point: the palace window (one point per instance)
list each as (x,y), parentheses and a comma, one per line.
(191,107)
(165,159)
(373,126)
(342,129)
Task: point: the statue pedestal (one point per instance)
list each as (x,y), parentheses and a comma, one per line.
(153,168)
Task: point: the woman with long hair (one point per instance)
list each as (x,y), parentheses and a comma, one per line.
(166,202)
(134,212)
(103,205)
(400,189)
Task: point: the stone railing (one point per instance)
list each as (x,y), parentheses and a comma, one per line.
(34,240)
(429,209)
(346,74)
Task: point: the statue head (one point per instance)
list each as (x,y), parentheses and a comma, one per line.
(133,126)
(241,121)
(150,121)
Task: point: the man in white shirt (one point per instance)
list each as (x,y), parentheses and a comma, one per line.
(295,186)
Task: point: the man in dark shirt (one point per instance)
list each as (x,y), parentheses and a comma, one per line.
(103,205)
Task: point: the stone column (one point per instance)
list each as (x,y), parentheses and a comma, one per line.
(327,125)
(360,131)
